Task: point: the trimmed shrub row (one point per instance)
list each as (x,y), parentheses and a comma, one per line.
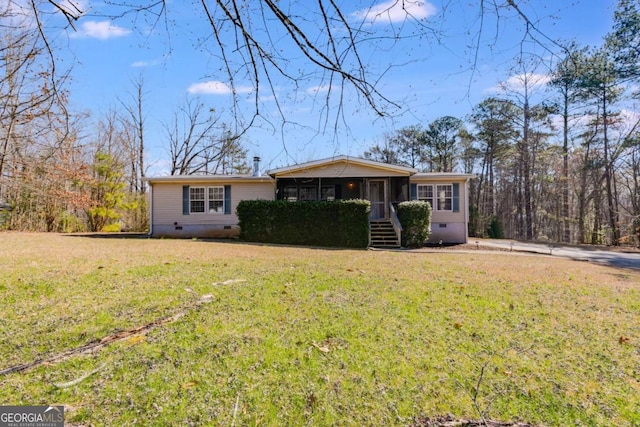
(340,223)
(415,217)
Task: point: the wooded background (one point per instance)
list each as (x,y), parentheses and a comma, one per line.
(555,148)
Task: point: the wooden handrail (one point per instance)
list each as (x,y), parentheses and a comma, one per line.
(395,222)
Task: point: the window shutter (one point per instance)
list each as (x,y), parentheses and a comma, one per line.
(414,191)
(227,200)
(456,197)
(185,200)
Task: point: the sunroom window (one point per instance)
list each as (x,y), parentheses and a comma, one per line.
(328,193)
(290,194)
(308,193)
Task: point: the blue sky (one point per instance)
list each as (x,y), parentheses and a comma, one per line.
(433,75)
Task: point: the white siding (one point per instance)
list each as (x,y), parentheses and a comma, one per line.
(448,232)
(450,227)
(167,203)
(168,218)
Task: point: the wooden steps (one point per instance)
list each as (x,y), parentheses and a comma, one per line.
(382,234)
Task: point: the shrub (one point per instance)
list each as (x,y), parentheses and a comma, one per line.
(494,229)
(112,228)
(415,217)
(340,223)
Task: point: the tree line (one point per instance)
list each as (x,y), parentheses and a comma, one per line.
(556,153)
(69,172)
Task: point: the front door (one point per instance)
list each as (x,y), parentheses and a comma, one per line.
(378,199)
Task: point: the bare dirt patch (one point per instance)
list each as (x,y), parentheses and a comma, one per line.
(450,421)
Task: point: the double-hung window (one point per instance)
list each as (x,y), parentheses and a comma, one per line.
(206,199)
(441,196)
(425,194)
(196,199)
(444,194)
(216,199)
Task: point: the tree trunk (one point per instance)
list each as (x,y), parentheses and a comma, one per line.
(526,172)
(140,131)
(566,235)
(491,187)
(611,202)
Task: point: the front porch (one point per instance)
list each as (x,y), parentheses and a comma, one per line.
(380,191)
(344,178)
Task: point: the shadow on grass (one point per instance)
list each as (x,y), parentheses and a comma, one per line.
(230,241)
(109,235)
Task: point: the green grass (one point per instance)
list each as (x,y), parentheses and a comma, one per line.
(314,336)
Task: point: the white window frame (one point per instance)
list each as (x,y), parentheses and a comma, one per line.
(193,199)
(444,198)
(208,197)
(425,198)
(435,199)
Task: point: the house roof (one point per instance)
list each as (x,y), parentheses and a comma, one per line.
(442,176)
(340,166)
(227,179)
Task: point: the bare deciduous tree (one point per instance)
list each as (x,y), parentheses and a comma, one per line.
(135,118)
(259,43)
(198,142)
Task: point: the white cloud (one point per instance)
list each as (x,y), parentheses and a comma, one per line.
(268,98)
(517,83)
(142,64)
(396,11)
(74,7)
(17,14)
(215,87)
(318,89)
(100,30)
(627,120)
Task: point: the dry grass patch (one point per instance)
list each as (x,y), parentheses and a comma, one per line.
(295,336)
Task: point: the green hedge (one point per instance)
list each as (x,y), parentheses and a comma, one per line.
(415,217)
(340,223)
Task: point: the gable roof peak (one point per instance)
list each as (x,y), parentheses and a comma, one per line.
(341,159)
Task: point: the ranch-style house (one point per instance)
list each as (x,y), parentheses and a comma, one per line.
(204,205)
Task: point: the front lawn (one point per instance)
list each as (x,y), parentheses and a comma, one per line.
(244,335)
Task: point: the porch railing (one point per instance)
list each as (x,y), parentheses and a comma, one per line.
(393,215)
